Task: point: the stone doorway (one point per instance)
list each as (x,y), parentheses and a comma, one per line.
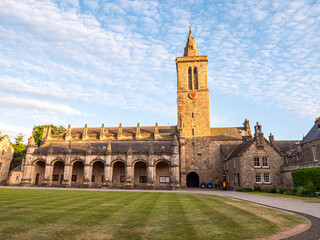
(77,173)
(162,174)
(192,180)
(39,171)
(119,173)
(97,173)
(140,174)
(57,175)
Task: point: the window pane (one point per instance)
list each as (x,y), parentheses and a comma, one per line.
(256,162)
(258,177)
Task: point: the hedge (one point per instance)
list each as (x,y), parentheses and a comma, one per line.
(308,178)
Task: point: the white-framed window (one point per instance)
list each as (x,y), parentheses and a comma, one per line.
(314,152)
(258,178)
(266,177)
(265,162)
(256,162)
(164,180)
(0,166)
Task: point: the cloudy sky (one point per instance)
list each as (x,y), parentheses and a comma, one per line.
(98,61)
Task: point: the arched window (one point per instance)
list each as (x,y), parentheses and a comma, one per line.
(195,77)
(190,78)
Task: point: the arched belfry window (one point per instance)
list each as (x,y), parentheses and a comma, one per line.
(195,78)
(190,78)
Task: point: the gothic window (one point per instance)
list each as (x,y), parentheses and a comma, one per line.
(195,78)
(190,78)
(0,166)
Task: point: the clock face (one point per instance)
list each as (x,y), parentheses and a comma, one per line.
(192,95)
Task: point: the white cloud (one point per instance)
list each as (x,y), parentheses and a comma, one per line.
(13,131)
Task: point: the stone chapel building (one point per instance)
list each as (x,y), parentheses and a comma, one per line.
(150,157)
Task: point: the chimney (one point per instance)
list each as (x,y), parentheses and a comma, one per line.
(271,138)
(258,134)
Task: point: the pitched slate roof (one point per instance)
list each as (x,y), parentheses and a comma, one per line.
(228,133)
(18,168)
(101,147)
(239,149)
(286,147)
(313,134)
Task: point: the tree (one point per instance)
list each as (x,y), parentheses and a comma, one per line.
(38,131)
(19,151)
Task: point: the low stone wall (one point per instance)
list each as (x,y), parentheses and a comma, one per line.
(286,178)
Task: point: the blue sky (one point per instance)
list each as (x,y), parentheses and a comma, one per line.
(94,62)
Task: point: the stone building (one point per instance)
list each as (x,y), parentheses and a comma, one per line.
(255,162)
(6,154)
(302,155)
(158,157)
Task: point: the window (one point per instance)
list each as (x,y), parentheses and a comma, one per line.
(297,158)
(238,175)
(74,178)
(266,177)
(122,179)
(17,177)
(258,177)
(192,132)
(190,78)
(265,162)
(102,178)
(92,178)
(143,179)
(55,177)
(3,152)
(0,166)
(164,179)
(235,179)
(256,162)
(192,115)
(195,78)
(314,153)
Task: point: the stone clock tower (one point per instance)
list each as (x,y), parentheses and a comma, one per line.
(193,93)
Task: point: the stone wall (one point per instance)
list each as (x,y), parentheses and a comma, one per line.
(6,155)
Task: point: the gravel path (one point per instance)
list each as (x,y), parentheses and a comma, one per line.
(311,211)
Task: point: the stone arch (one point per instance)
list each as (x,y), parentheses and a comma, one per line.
(56,160)
(97,160)
(77,160)
(140,160)
(162,173)
(193,180)
(57,173)
(162,160)
(118,172)
(77,172)
(118,160)
(140,173)
(38,160)
(39,171)
(97,173)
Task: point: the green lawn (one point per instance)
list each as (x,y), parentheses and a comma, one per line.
(292,197)
(66,214)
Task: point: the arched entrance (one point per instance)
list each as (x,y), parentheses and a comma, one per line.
(140,173)
(162,174)
(77,173)
(119,173)
(39,171)
(57,174)
(97,173)
(192,180)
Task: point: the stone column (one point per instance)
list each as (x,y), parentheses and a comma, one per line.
(129,170)
(67,175)
(151,176)
(108,169)
(48,175)
(87,175)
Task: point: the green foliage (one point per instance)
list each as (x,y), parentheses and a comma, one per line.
(273,190)
(308,178)
(303,192)
(19,151)
(38,131)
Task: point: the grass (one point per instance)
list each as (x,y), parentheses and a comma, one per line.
(292,197)
(65,214)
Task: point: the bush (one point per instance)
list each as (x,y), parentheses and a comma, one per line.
(288,192)
(245,190)
(308,178)
(273,190)
(282,190)
(257,189)
(303,192)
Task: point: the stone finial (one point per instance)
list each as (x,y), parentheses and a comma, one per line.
(102,132)
(109,150)
(175,141)
(85,132)
(49,132)
(138,134)
(156,132)
(119,135)
(31,141)
(129,148)
(191,48)
(68,133)
(151,151)
(271,138)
